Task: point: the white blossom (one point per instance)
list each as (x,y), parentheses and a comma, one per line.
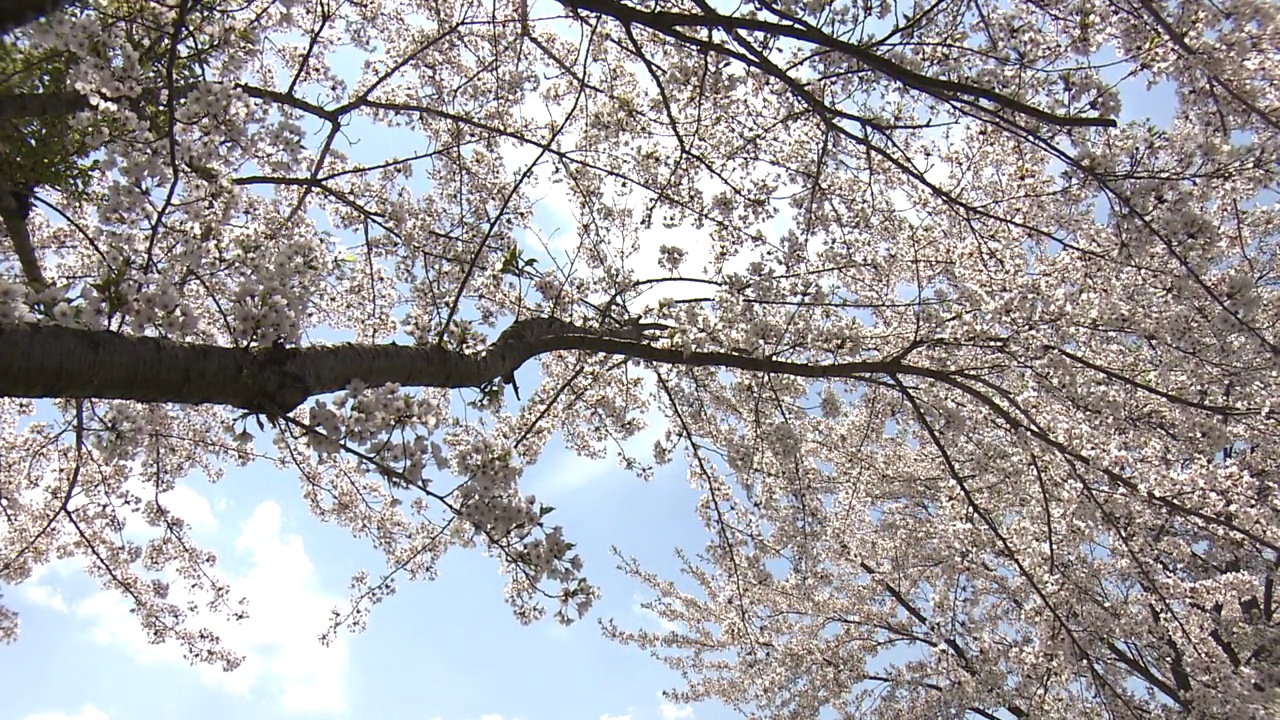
(972,364)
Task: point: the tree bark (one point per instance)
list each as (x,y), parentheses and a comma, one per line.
(58,362)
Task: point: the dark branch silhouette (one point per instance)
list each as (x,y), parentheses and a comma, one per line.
(16,13)
(58,362)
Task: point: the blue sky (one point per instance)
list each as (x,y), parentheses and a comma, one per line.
(448,649)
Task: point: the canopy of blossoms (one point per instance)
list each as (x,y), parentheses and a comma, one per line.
(963,315)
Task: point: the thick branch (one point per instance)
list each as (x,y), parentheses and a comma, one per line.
(17,106)
(58,362)
(15,207)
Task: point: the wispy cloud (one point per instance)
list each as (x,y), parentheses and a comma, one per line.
(574,471)
(183,501)
(287,611)
(670,711)
(44,596)
(650,616)
(192,507)
(88,712)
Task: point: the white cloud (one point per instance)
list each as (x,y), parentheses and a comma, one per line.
(575,471)
(64,568)
(182,501)
(287,611)
(45,596)
(669,711)
(192,507)
(88,712)
(49,595)
(651,616)
(188,504)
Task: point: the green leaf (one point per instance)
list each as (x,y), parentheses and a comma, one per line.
(509,266)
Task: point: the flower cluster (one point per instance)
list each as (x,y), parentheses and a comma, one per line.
(385,422)
(511,526)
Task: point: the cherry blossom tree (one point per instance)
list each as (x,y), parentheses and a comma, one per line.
(972,358)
